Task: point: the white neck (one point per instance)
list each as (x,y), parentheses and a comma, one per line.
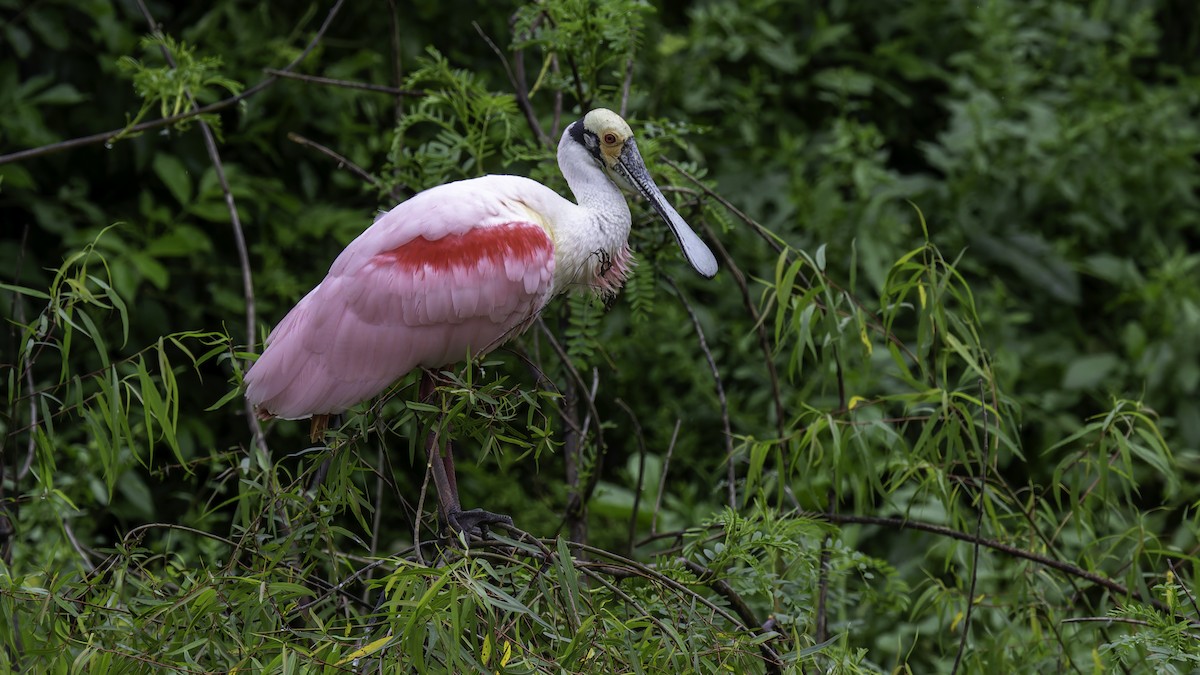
(593,189)
(599,223)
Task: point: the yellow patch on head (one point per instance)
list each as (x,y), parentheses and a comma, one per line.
(611,130)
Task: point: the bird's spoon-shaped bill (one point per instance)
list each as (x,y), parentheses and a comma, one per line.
(633,170)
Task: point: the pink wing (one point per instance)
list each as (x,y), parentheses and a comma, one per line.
(444,293)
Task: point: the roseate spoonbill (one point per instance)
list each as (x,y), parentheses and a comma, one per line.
(454,272)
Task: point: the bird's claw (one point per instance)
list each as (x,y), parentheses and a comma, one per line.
(474,523)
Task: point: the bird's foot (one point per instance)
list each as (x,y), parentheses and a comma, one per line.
(474,523)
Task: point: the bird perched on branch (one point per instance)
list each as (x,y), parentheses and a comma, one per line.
(453,273)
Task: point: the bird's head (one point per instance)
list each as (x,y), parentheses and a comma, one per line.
(609,140)
(606,137)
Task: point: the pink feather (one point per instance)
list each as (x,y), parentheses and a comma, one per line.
(446,275)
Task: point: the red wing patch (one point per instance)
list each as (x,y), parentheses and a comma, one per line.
(524,241)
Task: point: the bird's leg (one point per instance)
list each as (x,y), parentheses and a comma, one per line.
(473,521)
(318,425)
(441,463)
(318,477)
(447,488)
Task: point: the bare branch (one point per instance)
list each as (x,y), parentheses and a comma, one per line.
(941,530)
(764,342)
(239,237)
(1118,619)
(823,582)
(662,480)
(627,84)
(397,63)
(731,474)
(345,84)
(108,136)
(574,373)
(723,589)
(345,163)
(637,492)
(519,88)
(983,467)
(770,237)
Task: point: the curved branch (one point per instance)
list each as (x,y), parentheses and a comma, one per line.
(1067,568)
(239,235)
(716,373)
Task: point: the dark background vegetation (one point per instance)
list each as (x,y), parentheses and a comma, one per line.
(950,363)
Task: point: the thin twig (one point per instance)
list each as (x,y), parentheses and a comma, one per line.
(345,163)
(823,582)
(587,419)
(31,443)
(601,445)
(345,84)
(575,514)
(770,656)
(1191,597)
(983,466)
(1067,568)
(1118,619)
(778,245)
(827,541)
(25,367)
(662,480)
(731,473)
(397,62)
(83,554)
(627,83)
(771,238)
(368,569)
(519,88)
(764,341)
(108,136)
(377,517)
(558,98)
(239,237)
(637,492)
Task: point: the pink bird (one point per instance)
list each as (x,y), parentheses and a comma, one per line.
(453,273)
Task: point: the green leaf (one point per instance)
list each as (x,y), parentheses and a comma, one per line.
(59,94)
(19,39)
(1088,372)
(22,290)
(172,172)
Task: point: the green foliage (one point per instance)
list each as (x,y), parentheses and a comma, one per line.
(1163,642)
(469,125)
(174,86)
(954,336)
(597,40)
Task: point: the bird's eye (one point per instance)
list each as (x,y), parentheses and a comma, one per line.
(610,138)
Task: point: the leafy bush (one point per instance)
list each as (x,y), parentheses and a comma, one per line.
(936,413)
